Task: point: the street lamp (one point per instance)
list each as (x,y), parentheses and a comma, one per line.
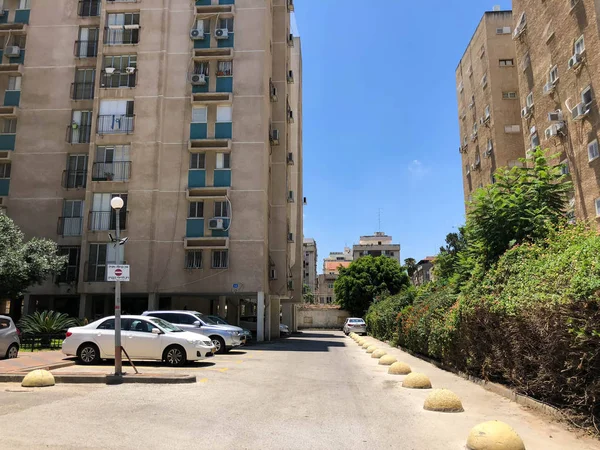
(117,203)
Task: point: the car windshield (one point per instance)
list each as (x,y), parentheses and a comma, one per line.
(166,326)
(205,319)
(218,320)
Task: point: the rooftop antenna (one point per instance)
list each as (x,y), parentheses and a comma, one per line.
(379,218)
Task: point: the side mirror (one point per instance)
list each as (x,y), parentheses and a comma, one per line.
(197,323)
(156,331)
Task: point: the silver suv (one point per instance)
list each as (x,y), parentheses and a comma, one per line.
(225,337)
(9,338)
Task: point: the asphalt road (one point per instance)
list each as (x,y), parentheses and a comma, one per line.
(314,391)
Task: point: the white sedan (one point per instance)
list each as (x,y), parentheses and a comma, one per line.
(142,337)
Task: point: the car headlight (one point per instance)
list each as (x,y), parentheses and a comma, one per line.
(193,341)
(207,343)
(235,333)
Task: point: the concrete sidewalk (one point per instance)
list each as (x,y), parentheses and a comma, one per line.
(35,360)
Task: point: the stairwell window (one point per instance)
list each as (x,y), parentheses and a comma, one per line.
(509,95)
(197,161)
(507,62)
(512,128)
(220,259)
(593,150)
(196,210)
(193,259)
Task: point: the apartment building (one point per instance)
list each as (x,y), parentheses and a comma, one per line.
(331,270)
(423,272)
(557,45)
(191,112)
(487,84)
(309,276)
(379,244)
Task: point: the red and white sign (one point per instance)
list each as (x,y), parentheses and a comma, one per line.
(117,272)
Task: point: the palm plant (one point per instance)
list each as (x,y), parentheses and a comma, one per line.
(47,322)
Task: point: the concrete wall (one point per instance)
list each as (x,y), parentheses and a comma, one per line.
(325,318)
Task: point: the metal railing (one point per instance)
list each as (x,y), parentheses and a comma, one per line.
(70,226)
(73,179)
(79,134)
(111,171)
(117,80)
(107,220)
(94,272)
(89,8)
(69,275)
(116,124)
(86,49)
(51,341)
(82,91)
(118,36)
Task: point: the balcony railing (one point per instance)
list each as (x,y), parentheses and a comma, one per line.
(73,179)
(117,36)
(70,226)
(111,171)
(118,80)
(107,220)
(94,271)
(86,49)
(69,275)
(116,124)
(82,91)
(89,8)
(78,134)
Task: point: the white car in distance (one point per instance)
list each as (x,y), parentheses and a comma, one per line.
(142,337)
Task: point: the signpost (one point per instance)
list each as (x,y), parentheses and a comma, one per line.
(117,272)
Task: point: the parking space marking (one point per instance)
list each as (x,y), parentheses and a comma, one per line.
(203,380)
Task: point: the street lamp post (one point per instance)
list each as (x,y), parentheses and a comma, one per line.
(117,203)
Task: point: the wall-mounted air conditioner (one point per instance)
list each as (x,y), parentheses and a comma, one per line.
(222,33)
(216,224)
(575,61)
(12,51)
(198,79)
(579,112)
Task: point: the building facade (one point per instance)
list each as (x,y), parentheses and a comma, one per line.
(190,113)
(309,275)
(557,45)
(378,244)
(423,272)
(487,80)
(331,270)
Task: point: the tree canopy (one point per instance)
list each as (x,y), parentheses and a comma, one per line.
(23,264)
(367,278)
(411,266)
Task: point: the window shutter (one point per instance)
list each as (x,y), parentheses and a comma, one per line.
(224,113)
(199,115)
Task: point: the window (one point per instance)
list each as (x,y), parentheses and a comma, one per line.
(196,210)
(221,209)
(521,23)
(330,285)
(579,45)
(467,168)
(484,80)
(124,74)
(199,115)
(223,161)
(329,300)
(597,207)
(224,113)
(197,161)
(526,62)
(564,167)
(529,100)
(482,51)
(490,145)
(586,96)
(71,270)
(460,86)
(219,259)
(204,25)
(593,150)
(107,325)
(553,75)
(201,68)
(465,139)
(474,128)
(226,23)
(548,31)
(290,196)
(507,62)
(535,140)
(225,69)
(9,126)
(4,170)
(25,4)
(509,95)
(486,113)
(503,30)
(193,259)
(472,102)
(122,28)
(512,128)
(140,326)
(14,84)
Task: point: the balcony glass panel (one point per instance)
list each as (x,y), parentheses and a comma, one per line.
(226,2)
(111,171)
(223,130)
(221,233)
(107,220)
(198,131)
(222,178)
(226,43)
(4,186)
(197,178)
(7,141)
(203,43)
(4,16)
(203,2)
(194,228)
(12,98)
(224,84)
(70,226)
(201,87)
(22,16)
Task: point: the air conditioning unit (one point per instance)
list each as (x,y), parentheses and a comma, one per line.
(12,51)
(198,79)
(525,112)
(130,70)
(290,158)
(216,224)
(553,130)
(275,137)
(579,112)
(222,33)
(575,60)
(555,116)
(109,70)
(198,32)
(548,88)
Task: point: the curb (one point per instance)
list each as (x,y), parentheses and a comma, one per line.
(105,379)
(59,365)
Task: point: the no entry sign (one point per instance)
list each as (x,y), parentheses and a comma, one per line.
(117,272)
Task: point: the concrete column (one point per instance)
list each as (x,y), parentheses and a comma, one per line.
(267,320)
(274,315)
(152,301)
(287,311)
(222,310)
(27,305)
(233,311)
(84,305)
(260,316)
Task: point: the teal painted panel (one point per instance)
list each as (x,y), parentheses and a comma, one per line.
(19,59)
(226,2)
(4,185)
(194,228)
(224,84)
(222,233)
(7,141)
(22,16)
(203,2)
(197,178)
(201,88)
(223,130)
(4,17)
(203,43)
(12,98)
(198,131)
(1,54)
(226,43)
(222,178)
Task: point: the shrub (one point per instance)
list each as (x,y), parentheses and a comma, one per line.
(381,316)
(46,322)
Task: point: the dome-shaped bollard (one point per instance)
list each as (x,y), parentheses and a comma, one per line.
(399,368)
(416,381)
(387,360)
(360,341)
(366,345)
(371,349)
(38,378)
(443,400)
(494,435)
(378,353)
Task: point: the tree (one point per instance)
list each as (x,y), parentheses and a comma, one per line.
(307,295)
(367,278)
(411,266)
(446,261)
(23,264)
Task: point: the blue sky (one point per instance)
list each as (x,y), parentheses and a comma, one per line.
(380,119)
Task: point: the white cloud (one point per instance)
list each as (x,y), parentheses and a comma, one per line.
(417,169)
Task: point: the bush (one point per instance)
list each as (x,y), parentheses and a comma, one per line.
(47,322)
(381,316)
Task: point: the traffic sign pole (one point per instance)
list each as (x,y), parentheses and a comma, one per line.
(118,363)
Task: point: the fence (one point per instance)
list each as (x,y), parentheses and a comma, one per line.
(33,341)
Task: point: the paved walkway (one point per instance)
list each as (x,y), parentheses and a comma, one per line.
(28,361)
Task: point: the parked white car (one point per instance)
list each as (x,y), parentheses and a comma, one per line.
(9,338)
(355,324)
(142,337)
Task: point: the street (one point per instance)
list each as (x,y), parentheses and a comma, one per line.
(316,390)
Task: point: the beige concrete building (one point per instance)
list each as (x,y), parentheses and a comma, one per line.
(191,112)
(309,276)
(558,48)
(331,270)
(488,102)
(379,244)
(423,273)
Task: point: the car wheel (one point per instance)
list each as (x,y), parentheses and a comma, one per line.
(175,356)
(12,352)
(88,354)
(219,344)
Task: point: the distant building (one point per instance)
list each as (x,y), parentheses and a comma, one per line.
(331,270)
(423,273)
(379,244)
(309,275)
(325,294)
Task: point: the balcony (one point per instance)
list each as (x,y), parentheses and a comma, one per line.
(79,134)
(94,272)
(107,220)
(196,144)
(82,91)
(217,187)
(208,54)
(74,179)
(118,80)
(69,275)
(111,171)
(69,226)
(6,26)
(116,124)
(8,112)
(89,8)
(210,98)
(86,49)
(122,36)
(205,7)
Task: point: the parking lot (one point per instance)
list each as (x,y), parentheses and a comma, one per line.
(316,390)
